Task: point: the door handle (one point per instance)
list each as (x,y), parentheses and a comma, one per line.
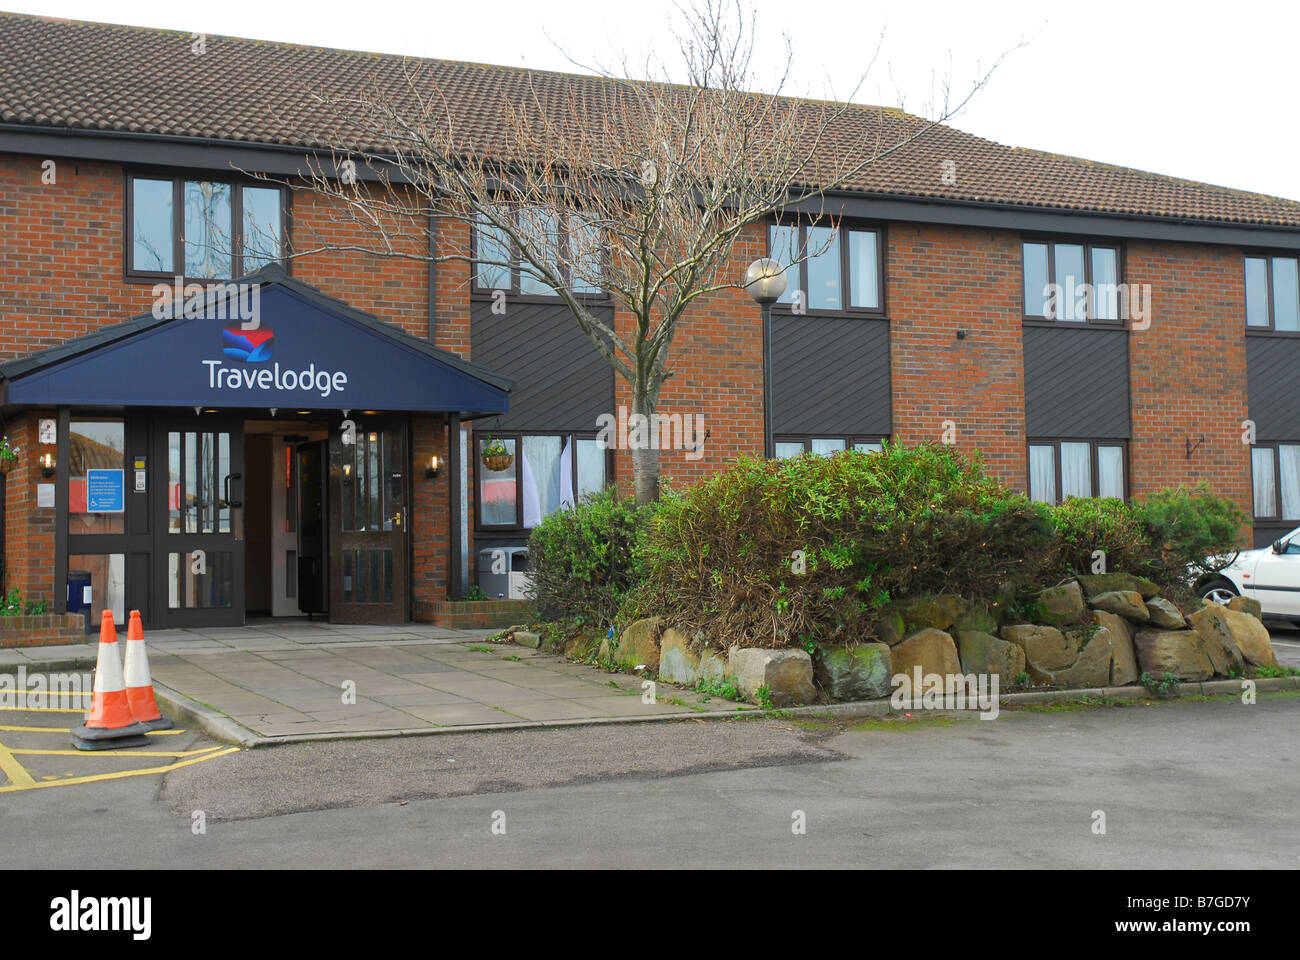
(229,477)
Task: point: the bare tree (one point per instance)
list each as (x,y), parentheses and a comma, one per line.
(638,187)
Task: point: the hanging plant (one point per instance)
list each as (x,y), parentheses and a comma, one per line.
(8,456)
(496,455)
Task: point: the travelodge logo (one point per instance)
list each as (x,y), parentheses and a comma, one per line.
(251,346)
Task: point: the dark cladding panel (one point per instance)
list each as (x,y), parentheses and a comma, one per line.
(561,382)
(1271,365)
(830,376)
(1076,383)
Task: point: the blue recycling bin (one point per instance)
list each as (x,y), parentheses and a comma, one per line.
(79,595)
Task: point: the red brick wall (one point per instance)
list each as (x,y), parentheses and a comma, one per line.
(28,530)
(430,513)
(1188,370)
(940,280)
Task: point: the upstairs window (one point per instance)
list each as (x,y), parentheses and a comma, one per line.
(841,272)
(1072,282)
(202,229)
(1060,469)
(1273,294)
(571,248)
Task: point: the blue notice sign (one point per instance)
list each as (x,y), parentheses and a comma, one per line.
(105,491)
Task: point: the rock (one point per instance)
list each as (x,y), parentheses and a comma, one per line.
(930,649)
(889,625)
(1178,652)
(787,674)
(639,645)
(1123,658)
(1046,648)
(1125,603)
(982,653)
(713,666)
(1092,668)
(1246,605)
(1063,604)
(1211,625)
(1096,583)
(1164,614)
(1251,637)
(526,638)
(978,618)
(677,664)
(855,673)
(937,611)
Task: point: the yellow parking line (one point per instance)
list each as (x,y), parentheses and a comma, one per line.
(117,775)
(19,778)
(13,729)
(46,709)
(110,753)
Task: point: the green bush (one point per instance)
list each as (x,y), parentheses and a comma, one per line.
(1084,525)
(585,560)
(1192,532)
(726,555)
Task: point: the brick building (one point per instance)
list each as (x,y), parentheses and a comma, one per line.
(205,468)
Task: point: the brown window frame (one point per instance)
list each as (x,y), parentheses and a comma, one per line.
(1093,464)
(178,181)
(842,227)
(1268,256)
(807,438)
(517,436)
(1272,445)
(1088,244)
(480,292)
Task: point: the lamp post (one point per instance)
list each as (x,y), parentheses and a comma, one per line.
(765,281)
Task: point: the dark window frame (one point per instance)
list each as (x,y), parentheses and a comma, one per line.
(517,435)
(842,227)
(1093,463)
(807,438)
(178,181)
(480,292)
(1088,244)
(1277,481)
(1268,256)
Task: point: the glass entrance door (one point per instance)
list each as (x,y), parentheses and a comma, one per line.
(199,544)
(368,519)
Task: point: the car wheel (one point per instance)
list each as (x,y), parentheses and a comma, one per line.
(1220,591)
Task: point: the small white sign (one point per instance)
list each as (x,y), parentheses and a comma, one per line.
(139,481)
(48,431)
(44,495)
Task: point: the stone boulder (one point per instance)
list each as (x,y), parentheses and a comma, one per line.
(889,626)
(1063,604)
(1246,605)
(787,674)
(1097,583)
(1125,603)
(1251,637)
(677,663)
(931,650)
(981,653)
(1123,658)
(1093,665)
(1178,652)
(936,611)
(862,672)
(1165,615)
(1046,648)
(715,666)
(638,645)
(1211,625)
(977,617)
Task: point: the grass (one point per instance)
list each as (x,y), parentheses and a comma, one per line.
(479,649)
(895,722)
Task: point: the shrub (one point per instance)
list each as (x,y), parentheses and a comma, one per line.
(726,556)
(1189,530)
(1085,525)
(585,560)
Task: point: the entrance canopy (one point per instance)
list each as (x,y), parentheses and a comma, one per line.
(266,341)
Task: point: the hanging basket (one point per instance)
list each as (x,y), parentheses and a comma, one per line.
(6,464)
(497,462)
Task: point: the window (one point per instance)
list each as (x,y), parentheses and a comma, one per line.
(96,477)
(1072,282)
(1273,294)
(1275,479)
(544,473)
(572,248)
(848,261)
(789,447)
(212,230)
(1059,469)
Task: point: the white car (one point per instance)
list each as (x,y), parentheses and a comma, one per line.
(1270,575)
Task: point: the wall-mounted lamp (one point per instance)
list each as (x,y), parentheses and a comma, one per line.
(46,460)
(347,473)
(434,468)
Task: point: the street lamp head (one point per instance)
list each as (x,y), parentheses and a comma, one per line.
(765,280)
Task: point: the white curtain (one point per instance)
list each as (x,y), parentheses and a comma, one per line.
(825,447)
(1110,472)
(566,476)
(541,478)
(1290,459)
(1076,470)
(1261,468)
(591,467)
(1042,474)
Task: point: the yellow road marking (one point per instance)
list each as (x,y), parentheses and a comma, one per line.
(110,753)
(13,729)
(46,709)
(117,775)
(19,778)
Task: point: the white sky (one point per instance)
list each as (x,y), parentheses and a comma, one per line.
(1193,89)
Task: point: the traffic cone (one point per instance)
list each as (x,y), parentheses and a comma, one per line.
(110,724)
(139,685)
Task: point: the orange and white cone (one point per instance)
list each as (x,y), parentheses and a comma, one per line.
(139,685)
(110,723)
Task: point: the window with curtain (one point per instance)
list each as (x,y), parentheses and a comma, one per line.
(1275,481)
(786,447)
(550,472)
(1059,469)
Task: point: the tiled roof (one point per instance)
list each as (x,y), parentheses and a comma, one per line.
(92,76)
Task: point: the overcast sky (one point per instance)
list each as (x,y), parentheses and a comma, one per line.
(1192,89)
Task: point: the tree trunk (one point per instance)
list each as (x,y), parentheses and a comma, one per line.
(645,457)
